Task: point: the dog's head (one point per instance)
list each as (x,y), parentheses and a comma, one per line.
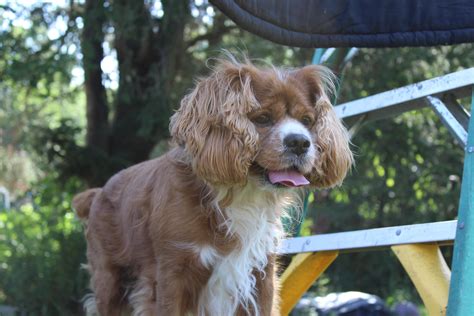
(274,125)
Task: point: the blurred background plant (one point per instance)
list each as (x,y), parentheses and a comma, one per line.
(87,88)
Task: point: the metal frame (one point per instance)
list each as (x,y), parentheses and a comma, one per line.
(416,246)
(426,93)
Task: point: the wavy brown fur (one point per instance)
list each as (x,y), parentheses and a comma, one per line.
(158,232)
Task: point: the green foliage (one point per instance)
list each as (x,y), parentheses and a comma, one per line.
(29,56)
(41,249)
(35,68)
(25,121)
(60,152)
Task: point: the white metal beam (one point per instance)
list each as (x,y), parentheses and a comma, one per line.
(440,232)
(409,97)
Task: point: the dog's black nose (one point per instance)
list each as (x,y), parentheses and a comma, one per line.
(297,144)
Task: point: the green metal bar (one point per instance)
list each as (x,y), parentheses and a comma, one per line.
(318,54)
(461,291)
(335,62)
(296,227)
(293,227)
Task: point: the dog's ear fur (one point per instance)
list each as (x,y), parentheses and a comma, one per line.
(334,157)
(213,127)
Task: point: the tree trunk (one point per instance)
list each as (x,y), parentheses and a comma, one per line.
(91,42)
(150,52)
(147,65)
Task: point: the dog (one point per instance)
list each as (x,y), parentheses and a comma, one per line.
(196,230)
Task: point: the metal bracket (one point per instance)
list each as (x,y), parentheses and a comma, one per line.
(449,120)
(355,127)
(459,112)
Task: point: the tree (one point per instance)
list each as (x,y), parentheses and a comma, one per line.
(151,49)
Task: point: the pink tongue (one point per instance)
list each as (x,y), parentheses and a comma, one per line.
(290,178)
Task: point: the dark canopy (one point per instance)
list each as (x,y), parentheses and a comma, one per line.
(359,23)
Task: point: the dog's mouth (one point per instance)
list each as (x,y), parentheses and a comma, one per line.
(290,177)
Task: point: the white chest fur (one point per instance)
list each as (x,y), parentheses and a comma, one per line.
(255,221)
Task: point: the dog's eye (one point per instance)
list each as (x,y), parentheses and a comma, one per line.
(263,119)
(307,121)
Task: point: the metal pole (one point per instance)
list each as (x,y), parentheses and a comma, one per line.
(461,291)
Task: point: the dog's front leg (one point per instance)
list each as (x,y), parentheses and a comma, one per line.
(266,294)
(170,299)
(178,285)
(268,290)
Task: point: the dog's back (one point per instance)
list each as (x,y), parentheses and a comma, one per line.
(127,220)
(116,218)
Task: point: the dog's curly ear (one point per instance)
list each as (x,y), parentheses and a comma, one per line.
(213,127)
(334,157)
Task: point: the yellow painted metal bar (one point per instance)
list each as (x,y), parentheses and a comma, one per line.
(428,270)
(304,269)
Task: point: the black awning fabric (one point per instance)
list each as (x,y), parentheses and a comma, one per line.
(358,23)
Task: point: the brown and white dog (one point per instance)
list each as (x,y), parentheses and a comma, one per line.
(195,231)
